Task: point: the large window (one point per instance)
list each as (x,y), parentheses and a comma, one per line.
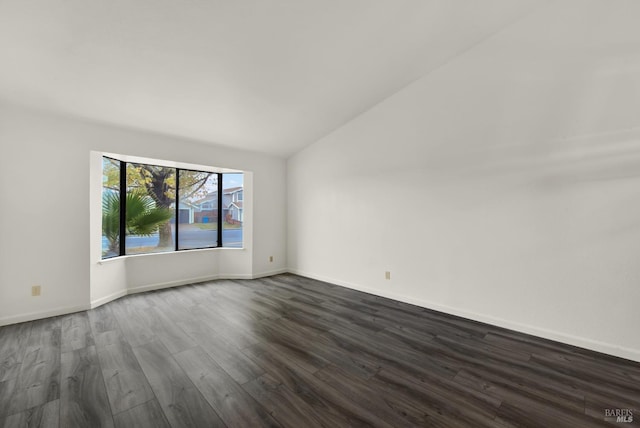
(168,209)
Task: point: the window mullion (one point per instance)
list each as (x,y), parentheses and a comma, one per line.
(177,214)
(220,197)
(123,206)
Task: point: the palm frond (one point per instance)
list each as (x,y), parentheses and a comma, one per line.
(143,217)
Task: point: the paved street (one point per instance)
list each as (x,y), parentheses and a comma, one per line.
(189,238)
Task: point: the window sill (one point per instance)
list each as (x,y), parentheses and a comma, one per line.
(167,253)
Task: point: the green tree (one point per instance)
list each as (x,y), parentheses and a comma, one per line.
(159,183)
(143,216)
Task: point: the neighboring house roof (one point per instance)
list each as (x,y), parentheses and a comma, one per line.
(232,190)
(210,197)
(237,204)
(214,195)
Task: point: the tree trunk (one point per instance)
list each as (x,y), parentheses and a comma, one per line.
(166,235)
(158,189)
(114,245)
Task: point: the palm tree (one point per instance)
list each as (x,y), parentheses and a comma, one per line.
(143,217)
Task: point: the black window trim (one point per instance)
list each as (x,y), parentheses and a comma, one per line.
(123,206)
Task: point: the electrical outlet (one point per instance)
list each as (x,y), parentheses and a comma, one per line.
(387,275)
(270,258)
(35,290)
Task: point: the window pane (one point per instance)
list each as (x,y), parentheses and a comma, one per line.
(198,218)
(110,208)
(232,209)
(150,204)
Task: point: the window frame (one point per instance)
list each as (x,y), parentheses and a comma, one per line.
(123,206)
(219,243)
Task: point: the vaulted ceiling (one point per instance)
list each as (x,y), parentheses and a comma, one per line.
(271,76)
(276,75)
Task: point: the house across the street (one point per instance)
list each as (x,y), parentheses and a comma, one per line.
(205,210)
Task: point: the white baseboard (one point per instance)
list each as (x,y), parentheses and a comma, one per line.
(169,284)
(235,276)
(158,286)
(42,314)
(582,342)
(106,299)
(121,293)
(269,273)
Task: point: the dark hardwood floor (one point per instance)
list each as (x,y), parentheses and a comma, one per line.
(291,351)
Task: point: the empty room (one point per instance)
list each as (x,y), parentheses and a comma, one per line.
(306,213)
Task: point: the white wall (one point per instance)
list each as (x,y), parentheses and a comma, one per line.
(504,186)
(45,230)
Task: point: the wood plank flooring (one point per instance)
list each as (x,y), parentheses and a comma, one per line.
(288,351)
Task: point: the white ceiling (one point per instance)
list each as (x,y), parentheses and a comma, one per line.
(265,75)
